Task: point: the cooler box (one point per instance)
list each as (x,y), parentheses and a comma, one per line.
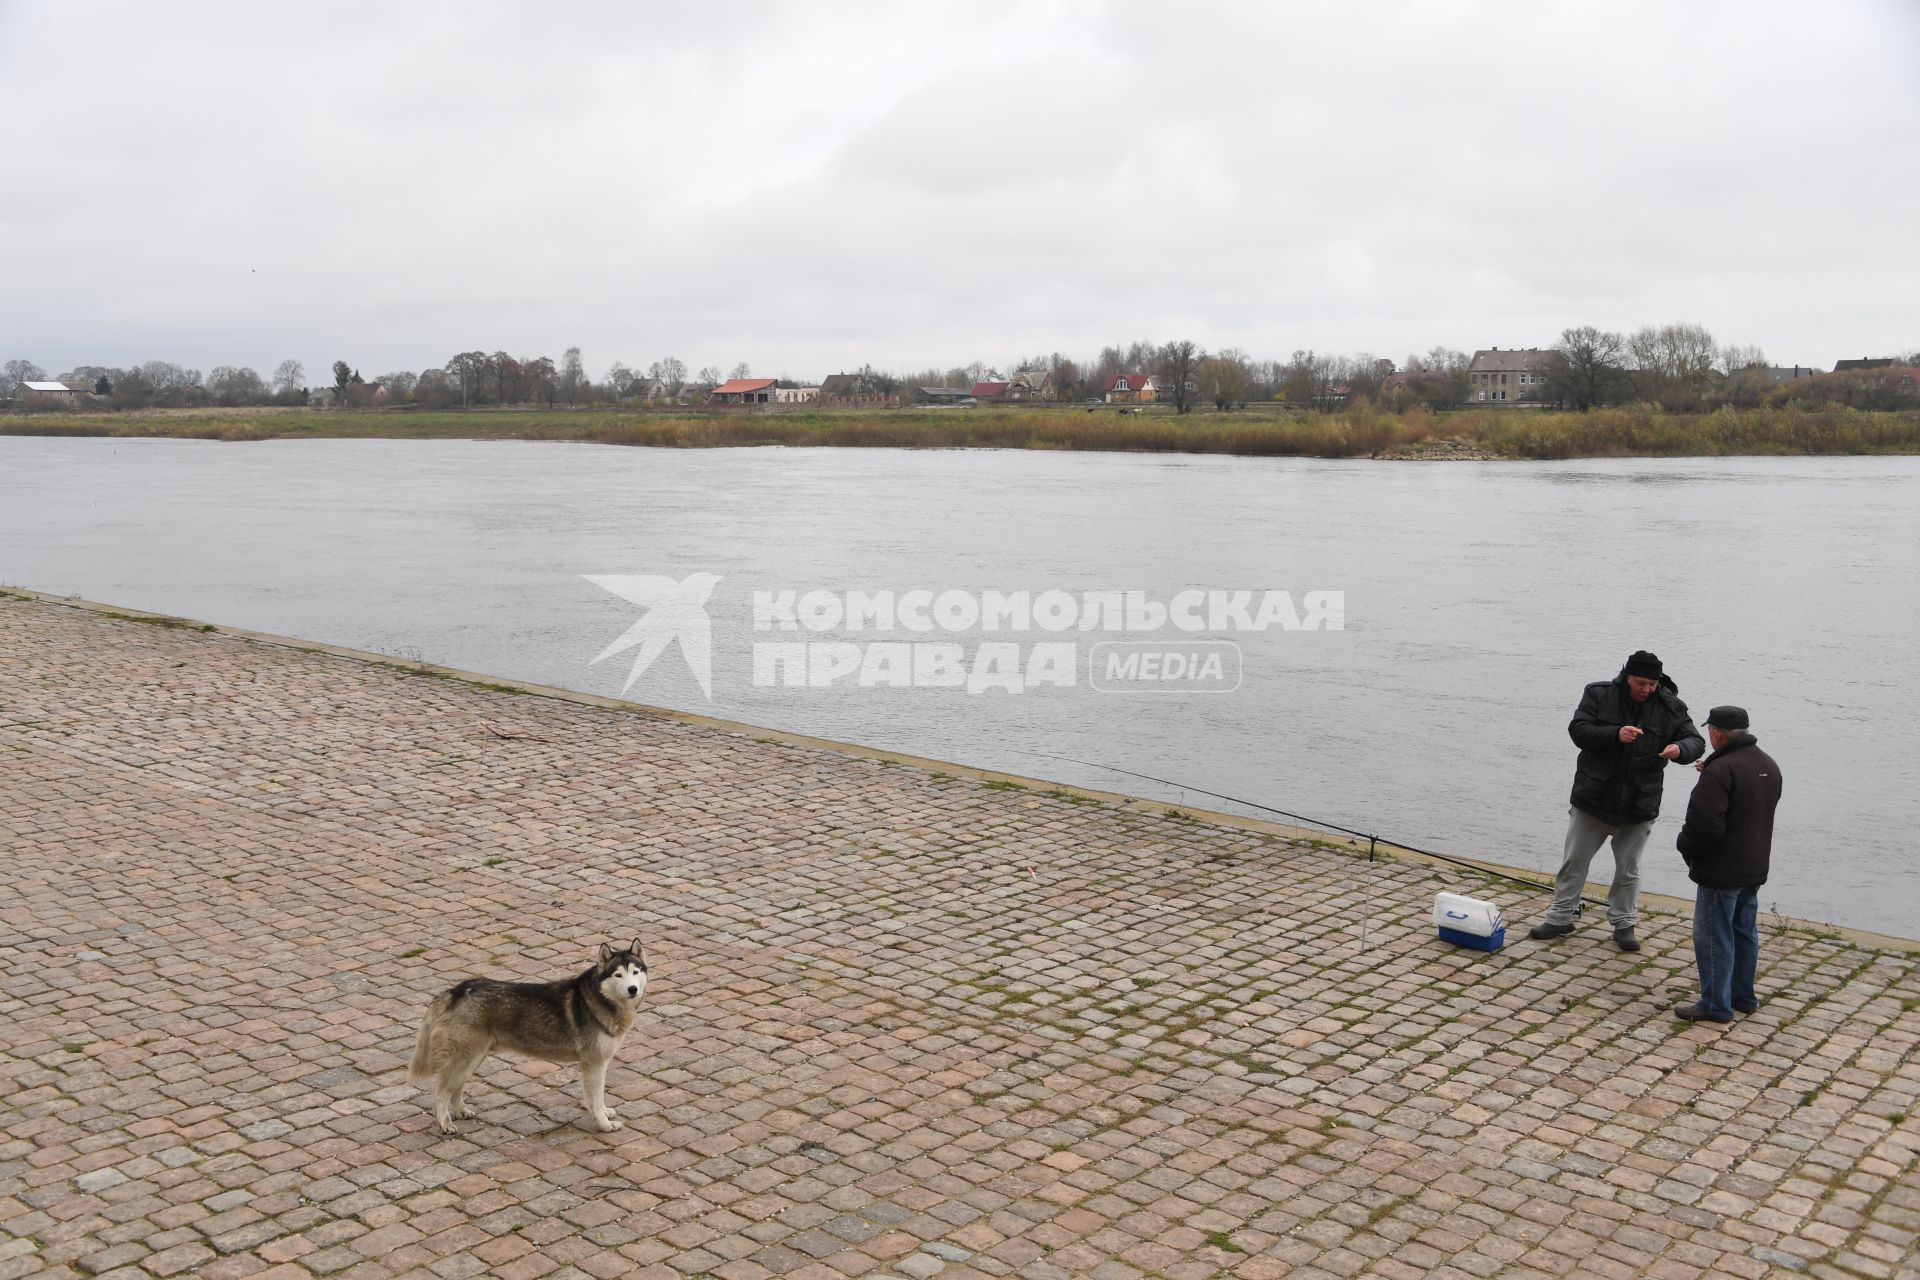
(1469,922)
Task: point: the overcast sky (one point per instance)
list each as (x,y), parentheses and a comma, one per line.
(808,187)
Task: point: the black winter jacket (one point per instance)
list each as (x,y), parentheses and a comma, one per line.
(1619,782)
(1728,835)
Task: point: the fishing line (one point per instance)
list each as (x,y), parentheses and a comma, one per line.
(1318,823)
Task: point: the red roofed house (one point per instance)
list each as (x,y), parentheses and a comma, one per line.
(743,391)
(989,390)
(1132,388)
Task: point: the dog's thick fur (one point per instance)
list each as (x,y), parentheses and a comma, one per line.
(582,1019)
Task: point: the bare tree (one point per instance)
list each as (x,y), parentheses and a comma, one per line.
(506,377)
(707,379)
(873,382)
(1066,377)
(619,378)
(230,386)
(741,370)
(672,373)
(540,379)
(571,377)
(1589,367)
(434,389)
(289,380)
(399,383)
(1177,363)
(131,390)
(164,375)
(469,370)
(1223,378)
(19,371)
(1364,374)
(1735,357)
(1310,378)
(1672,364)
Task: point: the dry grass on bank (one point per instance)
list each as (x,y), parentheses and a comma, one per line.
(1360,431)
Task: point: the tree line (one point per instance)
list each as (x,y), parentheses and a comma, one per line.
(1678,367)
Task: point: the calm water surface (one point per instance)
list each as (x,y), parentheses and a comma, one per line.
(1479,599)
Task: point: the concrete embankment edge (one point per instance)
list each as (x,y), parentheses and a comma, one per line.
(1653,901)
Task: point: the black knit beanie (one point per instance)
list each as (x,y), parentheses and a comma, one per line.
(1644,664)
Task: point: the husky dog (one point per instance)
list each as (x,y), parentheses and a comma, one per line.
(582,1019)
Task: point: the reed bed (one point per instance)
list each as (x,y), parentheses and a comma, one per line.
(1358,431)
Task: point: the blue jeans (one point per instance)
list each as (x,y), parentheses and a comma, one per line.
(1726,946)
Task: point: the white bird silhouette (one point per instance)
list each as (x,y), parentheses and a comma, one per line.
(674,611)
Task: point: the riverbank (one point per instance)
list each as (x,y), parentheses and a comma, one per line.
(905,1020)
(1256,431)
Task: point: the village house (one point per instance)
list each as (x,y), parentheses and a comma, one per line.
(1435,387)
(48,392)
(1866,362)
(989,390)
(942,395)
(1132,388)
(743,391)
(1032,384)
(851,384)
(1504,377)
(856,391)
(795,395)
(1776,375)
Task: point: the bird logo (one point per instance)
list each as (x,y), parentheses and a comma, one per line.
(675,611)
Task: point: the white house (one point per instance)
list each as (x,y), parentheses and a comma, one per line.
(59,389)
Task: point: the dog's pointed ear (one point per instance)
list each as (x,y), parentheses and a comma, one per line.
(606,952)
(639,950)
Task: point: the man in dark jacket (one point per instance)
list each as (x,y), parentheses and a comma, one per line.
(1628,730)
(1727,841)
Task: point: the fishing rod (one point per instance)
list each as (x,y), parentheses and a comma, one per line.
(1371,838)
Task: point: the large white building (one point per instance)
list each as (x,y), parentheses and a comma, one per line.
(1503,377)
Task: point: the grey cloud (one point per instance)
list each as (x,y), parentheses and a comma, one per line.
(812,187)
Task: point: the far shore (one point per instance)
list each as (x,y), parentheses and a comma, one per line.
(1257,431)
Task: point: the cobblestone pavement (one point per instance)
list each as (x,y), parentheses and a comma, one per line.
(902,1023)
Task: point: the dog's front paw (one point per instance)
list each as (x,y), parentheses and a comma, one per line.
(608,1122)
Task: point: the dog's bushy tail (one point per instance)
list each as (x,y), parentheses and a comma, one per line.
(421,1068)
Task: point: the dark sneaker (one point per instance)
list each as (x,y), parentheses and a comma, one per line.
(1744,1009)
(1694,1013)
(1624,939)
(1541,932)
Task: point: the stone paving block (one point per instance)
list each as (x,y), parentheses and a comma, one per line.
(902,1023)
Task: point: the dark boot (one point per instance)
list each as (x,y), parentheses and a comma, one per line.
(1694,1013)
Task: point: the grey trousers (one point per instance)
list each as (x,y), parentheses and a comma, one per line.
(1585,835)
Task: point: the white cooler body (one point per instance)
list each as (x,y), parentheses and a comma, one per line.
(1469,922)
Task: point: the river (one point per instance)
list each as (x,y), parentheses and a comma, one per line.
(1476,601)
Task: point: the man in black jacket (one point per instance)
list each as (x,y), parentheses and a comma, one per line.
(1727,841)
(1628,730)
